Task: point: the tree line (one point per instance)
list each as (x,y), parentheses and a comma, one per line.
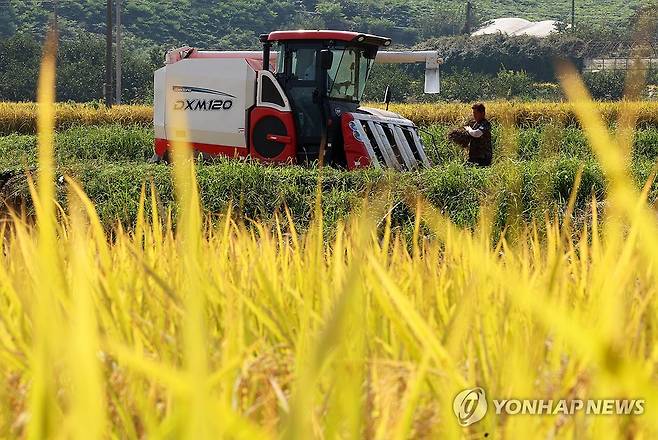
(489,67)
(236,24)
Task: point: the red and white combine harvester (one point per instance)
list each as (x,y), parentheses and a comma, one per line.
(295,104)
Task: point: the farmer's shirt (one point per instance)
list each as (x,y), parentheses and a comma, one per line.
(480,145)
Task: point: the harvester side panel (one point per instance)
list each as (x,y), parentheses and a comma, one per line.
(159,103)
(212,97)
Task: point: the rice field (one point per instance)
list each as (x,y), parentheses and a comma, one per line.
(191,324)
(22,117)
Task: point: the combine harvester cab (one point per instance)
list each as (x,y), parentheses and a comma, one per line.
(297,104)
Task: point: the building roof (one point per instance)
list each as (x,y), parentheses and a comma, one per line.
(518,26)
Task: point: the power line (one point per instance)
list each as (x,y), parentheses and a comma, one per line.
(468,25)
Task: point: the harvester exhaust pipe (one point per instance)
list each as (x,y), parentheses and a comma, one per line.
(266,51)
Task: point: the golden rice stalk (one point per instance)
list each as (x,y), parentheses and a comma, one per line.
(48,285)
(22,117)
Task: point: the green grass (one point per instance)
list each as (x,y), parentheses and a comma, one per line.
(106,143)
(538,143)
(110,162)
(525,190)
(133,143)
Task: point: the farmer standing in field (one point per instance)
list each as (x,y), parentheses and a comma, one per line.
(476,136)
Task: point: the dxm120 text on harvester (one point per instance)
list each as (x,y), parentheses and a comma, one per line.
(298,103)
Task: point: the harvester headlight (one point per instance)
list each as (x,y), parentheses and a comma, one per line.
(355,130)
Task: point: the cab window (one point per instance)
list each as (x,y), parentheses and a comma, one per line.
(343,74)
(303,64)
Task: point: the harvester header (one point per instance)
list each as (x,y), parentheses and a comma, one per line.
(296,101)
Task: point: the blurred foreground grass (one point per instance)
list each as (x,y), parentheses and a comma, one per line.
(362,336)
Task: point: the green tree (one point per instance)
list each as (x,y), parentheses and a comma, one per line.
(606,85)
(19,66)
(644,27)
(403,83)
(7,21)
(238,40)
(438,21)
(80,68)
(332,14)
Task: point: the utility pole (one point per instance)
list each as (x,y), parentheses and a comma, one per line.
(468,25)
(573,15)
(118,54)
(55,16)
(108,55)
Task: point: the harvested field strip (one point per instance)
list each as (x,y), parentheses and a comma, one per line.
(536,143)
(133,143)
(109,143)
(525,189)
(536,175)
